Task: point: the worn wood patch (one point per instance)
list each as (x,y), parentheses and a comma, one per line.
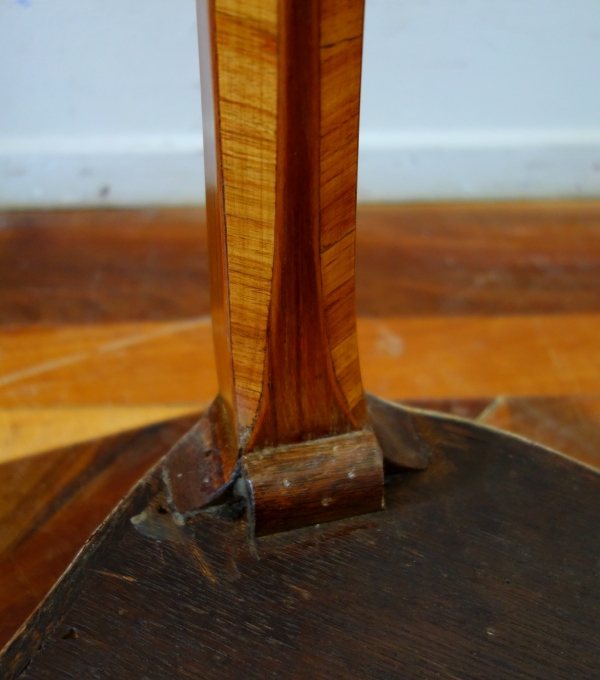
(319,481)
(201,466)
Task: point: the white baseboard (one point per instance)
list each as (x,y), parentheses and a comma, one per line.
(108,170)
(395,166)
(479,165)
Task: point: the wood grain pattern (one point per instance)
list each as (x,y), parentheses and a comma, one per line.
(568,424)
(475,357)
(285,155)
(95,266)
(471,571)
(203,463)
(213,169)
(443,260)
(27,431)
(302,398)
(283,184)
(340,62)
(479,258)
(245,64)
(320,481)
(108,364)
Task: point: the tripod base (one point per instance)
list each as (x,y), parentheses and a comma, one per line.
(482,565)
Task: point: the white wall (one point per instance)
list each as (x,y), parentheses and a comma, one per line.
(99,101)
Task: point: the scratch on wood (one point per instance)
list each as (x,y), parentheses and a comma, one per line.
(129,579)
(202,563)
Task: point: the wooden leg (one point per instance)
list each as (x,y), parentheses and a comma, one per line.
(281,86)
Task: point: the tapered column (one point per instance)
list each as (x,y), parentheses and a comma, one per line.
(280,88)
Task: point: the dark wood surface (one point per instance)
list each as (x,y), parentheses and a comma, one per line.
(203,463)
(440,259)
(51,503)
(483,565)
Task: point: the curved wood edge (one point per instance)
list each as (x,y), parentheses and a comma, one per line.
(423,416)
(204,463)
(396,434)
(313,482)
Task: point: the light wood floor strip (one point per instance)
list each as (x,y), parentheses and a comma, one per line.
(26,431)
(472,357)
(402,358)
(134,373)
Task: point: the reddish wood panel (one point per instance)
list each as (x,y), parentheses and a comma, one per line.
(303,396)
(90,266)
(479,258)
(102,265)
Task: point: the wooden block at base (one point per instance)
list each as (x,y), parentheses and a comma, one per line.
(318,481)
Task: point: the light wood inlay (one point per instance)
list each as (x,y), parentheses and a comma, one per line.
(246,47)
(340,63)
(27,431)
